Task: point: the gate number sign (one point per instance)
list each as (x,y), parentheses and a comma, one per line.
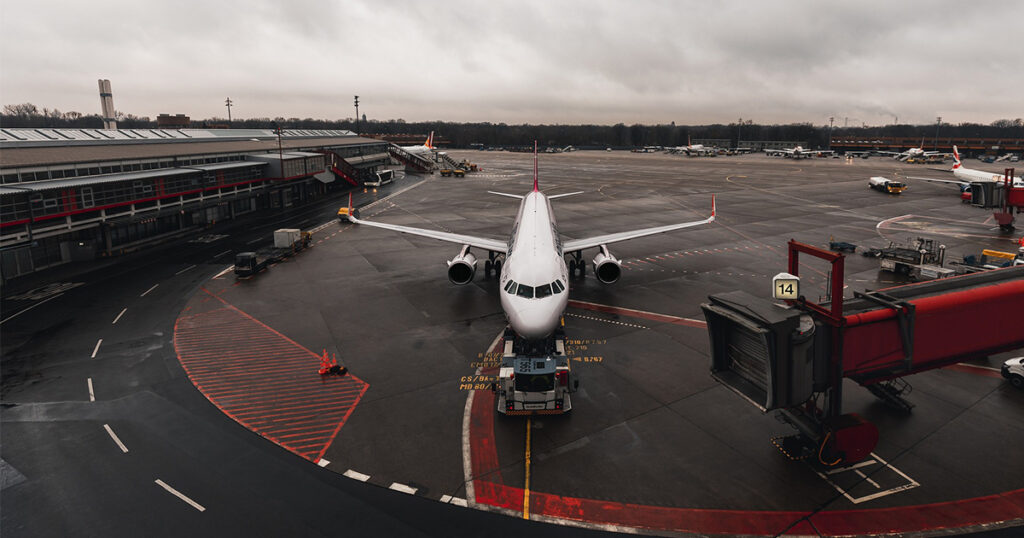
(785,286)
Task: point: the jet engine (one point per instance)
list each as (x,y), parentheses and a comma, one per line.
(462,267)
(607,268)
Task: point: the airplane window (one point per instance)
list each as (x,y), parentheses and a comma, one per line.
(525,291)
(557,286)
(543,291)
(511,287)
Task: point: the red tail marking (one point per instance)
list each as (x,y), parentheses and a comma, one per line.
(712,206)
(535,189)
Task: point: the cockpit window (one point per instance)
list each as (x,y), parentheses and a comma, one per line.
(511,287)
(557,286)
(525,291)
(543,291)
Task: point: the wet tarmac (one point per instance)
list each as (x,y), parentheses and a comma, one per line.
(653,442)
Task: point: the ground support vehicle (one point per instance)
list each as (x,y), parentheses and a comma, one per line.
(534,381)
(921,260)
(1013,369)
(287,242)
(886,185)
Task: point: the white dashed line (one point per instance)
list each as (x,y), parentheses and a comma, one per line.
(180,495)
(323,463)
(606,321)
(221,254)
(149,290)
(185,269)
(454,500)
(403,488)
(354,475)
(119,316)
(97,348)
(92,395)
(115,438)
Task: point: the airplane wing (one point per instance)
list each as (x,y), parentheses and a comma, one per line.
(962,184)
(516,196)
(493,245)
(564,194)
(573,245)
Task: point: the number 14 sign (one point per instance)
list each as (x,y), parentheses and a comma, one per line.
(785,286)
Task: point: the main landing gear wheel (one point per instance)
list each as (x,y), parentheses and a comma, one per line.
(572,267)
(497,268)
(487,268)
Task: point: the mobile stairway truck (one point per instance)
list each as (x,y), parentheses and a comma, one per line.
(535,379)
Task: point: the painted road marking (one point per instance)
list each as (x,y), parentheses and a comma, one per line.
(226,269)
(47,291)
(323,463)
(254,241)
(9,318)
(454,500)
(125,309)
(180,495)
(526,484)
(606,320)
(116,439)
(221,254)
(92,395)
(908,483)
(185,269)
(149,290)
(355,475)
(97,348)
(403,488)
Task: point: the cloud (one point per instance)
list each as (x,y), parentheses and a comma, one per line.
(523,61)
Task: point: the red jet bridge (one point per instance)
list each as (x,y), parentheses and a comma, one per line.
(794,358)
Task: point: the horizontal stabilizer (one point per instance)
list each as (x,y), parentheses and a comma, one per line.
(553,196)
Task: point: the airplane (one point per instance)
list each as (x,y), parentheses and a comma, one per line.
(798,152)
(966,176)
(691,149)
(916,154)
(534,276)
(422,149)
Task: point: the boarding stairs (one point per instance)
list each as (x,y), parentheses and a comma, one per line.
(448,161)
(411,162)
(342,168)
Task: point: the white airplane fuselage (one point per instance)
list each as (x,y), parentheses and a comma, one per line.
(535,265)
(968,175)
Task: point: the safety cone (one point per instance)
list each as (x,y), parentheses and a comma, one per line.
(325,366)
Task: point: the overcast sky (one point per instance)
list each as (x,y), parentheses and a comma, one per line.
(522,61)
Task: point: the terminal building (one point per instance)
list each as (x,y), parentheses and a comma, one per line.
(78,194)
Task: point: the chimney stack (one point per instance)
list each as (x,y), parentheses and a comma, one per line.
(107,103)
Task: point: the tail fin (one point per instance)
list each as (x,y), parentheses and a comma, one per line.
(712,206)
(535,189)
(956,158)
(430,141)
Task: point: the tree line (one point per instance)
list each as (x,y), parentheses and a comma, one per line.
(560,135)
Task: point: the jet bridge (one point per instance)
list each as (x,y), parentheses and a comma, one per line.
(793,357)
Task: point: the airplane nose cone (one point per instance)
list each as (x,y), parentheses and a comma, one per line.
(532,322)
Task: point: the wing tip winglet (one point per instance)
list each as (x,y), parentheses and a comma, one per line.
(712,207)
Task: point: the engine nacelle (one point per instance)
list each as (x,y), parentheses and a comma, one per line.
(462,267)
(607,268)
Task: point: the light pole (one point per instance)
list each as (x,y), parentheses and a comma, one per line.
(935,142)
(357,115)
(831,120)
(228,103)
